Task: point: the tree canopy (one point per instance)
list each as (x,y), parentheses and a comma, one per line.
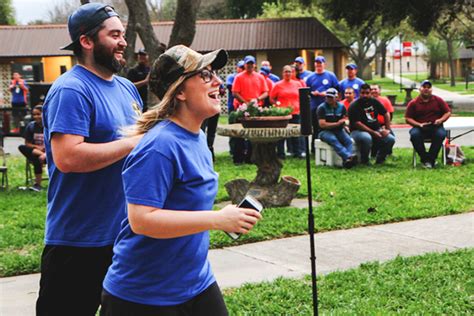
(7,13)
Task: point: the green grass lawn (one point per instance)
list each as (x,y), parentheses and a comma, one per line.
(444,83)
(396,190)
(432,284)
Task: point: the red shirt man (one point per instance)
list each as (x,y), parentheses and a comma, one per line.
(375,92)
(249,85)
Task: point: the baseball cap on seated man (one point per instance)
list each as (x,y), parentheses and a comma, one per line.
(85,19)
(249,59)
(425,82)
(332,93)
(320,59)
(299,59)
(351,66)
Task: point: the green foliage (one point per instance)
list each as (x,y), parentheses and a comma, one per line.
(432,284)
(252,110)
(7,13)
(246,9)
(396,190)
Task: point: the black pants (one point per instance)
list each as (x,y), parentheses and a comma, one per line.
(209,126)
(71,280)
(316,130)
(28,153)
(209,302)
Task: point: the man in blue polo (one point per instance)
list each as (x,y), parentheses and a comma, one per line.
(319,82)
(83,115)
(301,73)
(274,78)
(352,81)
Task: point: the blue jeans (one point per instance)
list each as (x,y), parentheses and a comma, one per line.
(295,143)
(364,143)
(417,136)
(339,140)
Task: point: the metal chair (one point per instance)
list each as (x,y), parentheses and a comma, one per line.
(4,169)
(428,141)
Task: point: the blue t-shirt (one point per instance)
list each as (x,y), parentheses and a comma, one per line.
(176,166)
(18,94)
(321,82)
(85,209)
(354,84)
(273,77)
(230,97)
(305,74)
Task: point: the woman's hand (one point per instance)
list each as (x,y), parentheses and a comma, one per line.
(236,220)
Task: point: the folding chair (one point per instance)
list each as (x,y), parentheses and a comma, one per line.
(29,176)
(4,169)
(428,141)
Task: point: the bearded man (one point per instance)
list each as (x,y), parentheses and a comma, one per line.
(83,115)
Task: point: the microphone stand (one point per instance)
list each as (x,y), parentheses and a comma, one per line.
(306,129)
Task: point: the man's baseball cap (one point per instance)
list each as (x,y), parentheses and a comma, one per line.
(320,59)
(180,61)
(425,82)
(86,18)
(249,59)
(265,70)
(142,51)
(351,66)
(299,59)
(331,92)
(241,64)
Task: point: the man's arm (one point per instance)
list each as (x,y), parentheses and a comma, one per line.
(442,119)
(238,97)
(72,154)
(362,127)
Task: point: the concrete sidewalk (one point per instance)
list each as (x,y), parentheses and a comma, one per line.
(289,257)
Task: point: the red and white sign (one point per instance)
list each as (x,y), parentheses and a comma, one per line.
(407,49)
(396,54)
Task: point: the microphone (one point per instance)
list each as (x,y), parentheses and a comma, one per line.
(305,112)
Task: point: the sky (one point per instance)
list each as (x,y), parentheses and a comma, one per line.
(30,10)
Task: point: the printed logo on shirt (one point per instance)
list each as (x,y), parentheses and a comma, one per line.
(136,108)
(370,114)
(325,82)
(355,86)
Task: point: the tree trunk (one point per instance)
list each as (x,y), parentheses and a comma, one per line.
(449,43)
(383,54)
(131,36)
(432,70)
(139,10)
(184,27)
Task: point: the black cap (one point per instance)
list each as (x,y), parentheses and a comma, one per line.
(85,18)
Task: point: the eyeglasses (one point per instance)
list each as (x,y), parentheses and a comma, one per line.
(205,74)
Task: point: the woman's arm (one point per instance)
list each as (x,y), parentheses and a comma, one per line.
(160,223)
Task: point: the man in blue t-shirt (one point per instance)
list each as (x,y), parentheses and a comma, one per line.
(230,98)
(332,119)
(352,81)
(301,73)
(84,114)
(270,75)
(319,82)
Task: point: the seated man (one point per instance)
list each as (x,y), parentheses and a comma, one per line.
(332,117)
(366,130)
(427,113)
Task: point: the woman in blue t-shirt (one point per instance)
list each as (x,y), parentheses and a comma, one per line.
(33,149)
(160,264)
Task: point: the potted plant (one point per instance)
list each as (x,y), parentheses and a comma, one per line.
(252,115)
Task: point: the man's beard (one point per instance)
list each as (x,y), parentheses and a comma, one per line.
(105,59)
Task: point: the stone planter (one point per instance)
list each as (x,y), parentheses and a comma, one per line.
(265,121)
